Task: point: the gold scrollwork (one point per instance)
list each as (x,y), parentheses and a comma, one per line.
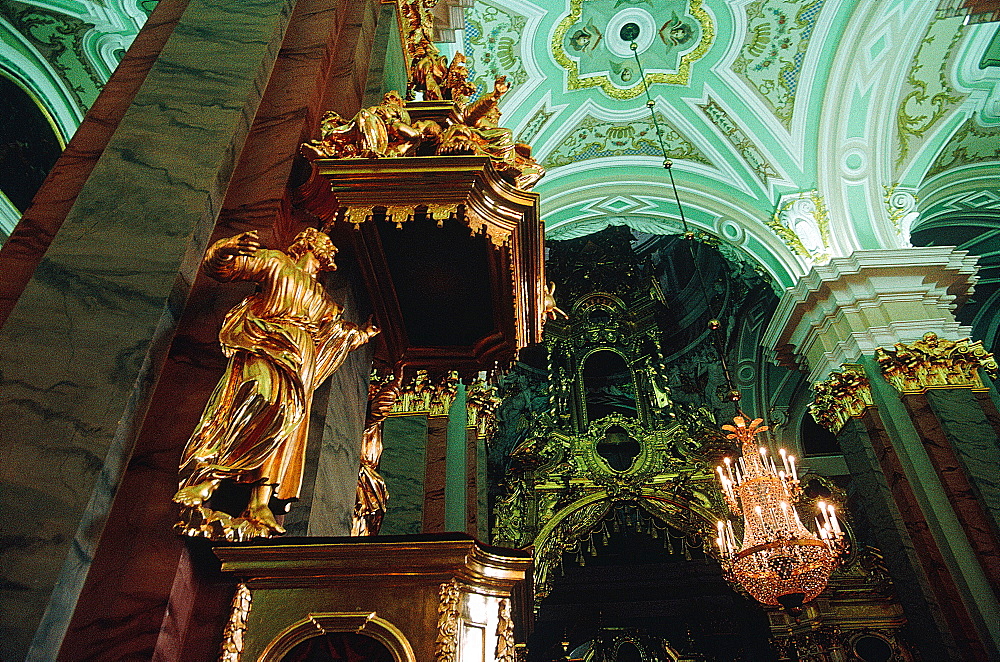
(933,362)
(446,643)
(842,396)
(232,637)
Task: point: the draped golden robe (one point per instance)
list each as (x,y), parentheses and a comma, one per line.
(282,342)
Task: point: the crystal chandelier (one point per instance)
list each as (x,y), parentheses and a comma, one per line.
(779,561)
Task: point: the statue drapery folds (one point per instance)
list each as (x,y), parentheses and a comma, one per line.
(282,342)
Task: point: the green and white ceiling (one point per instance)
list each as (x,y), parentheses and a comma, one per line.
(799,129)
(61,52)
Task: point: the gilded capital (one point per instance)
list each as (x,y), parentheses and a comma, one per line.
(424,395)
(843,395)
(934,362)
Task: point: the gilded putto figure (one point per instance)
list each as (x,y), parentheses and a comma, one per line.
(388,131)
(282,342)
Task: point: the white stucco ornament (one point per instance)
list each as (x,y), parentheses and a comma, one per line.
(801,221)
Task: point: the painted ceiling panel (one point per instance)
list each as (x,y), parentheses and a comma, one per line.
(853,105)
(774,48)
(741,91)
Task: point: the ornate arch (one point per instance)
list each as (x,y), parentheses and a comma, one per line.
(364,623)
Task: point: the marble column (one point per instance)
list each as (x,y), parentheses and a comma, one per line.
(404,441)
(21,254)
(435,474)
(109,351)
(842,313)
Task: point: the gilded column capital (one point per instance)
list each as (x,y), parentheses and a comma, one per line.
(934,362)
(841,396)
(423,394)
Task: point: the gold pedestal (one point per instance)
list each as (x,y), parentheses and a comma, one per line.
(441,598)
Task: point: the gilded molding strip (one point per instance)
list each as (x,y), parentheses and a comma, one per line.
(446,644)
(232,637)
(844,395)
(933,363)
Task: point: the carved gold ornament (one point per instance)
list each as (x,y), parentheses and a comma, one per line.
(388,131)
(423,395)
(446,643)
(372,494)
(232,636)
(932,362)
(842,396)
(481,401)
(505,633)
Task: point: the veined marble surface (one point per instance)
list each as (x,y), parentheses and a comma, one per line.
(81,350)
(879,517)
(332,508)
(403,462)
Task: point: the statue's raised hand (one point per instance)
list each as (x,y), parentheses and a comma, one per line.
(245,243)
(500,86)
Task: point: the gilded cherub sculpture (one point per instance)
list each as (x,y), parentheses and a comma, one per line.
(385,130)
(480,134)
(437,79)
(282,342)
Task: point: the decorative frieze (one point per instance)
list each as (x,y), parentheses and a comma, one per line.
(842,396)
(423,395)
(934,362)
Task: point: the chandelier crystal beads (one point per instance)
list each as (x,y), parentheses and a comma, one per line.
(779,561)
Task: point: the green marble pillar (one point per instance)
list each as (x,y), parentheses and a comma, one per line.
(455,469)
(404,441)
(80,351)
(975,442)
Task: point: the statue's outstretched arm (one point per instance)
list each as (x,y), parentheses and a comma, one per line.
(232,258)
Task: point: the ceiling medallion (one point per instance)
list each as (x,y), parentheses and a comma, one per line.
(590,45)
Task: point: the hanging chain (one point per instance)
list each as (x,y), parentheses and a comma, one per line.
(714,324)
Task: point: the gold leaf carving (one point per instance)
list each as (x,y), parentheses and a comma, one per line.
(232,637)
(446,644)
(933,362)
(842,396)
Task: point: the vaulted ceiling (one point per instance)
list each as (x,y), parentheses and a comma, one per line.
(799,129)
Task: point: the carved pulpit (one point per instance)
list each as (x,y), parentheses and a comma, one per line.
(444,598)
(446,232)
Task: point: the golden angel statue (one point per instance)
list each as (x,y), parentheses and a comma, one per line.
(282,342)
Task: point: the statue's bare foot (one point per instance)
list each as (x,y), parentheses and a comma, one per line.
(195,495)
(261,515)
